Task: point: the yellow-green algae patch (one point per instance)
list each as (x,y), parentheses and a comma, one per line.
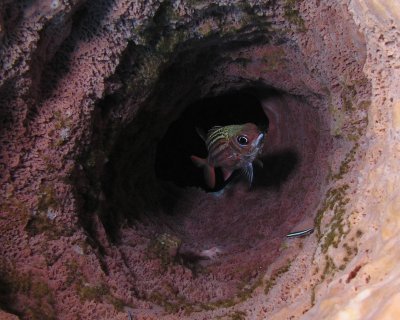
(274,60)
(37,292)
(237,315)
(292,15)
(180,303)
(165,247)
(99,293)
(271,282)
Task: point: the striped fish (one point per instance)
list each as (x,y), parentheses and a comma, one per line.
(301,233)
(230,148)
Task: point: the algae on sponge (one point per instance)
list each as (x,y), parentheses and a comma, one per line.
(292,15)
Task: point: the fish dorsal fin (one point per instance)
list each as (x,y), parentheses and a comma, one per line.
(214,134)
(213,130)
(248,172)
(201,133)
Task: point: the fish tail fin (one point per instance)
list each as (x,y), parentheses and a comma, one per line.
(209,172)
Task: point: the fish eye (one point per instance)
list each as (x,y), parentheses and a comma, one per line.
(242,140)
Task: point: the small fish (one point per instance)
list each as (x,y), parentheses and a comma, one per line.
(302,233)
(211,253)
(230,148)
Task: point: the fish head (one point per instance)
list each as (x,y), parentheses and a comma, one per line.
(234,146)
(248,138)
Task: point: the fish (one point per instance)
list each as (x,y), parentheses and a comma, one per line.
(301,233)
(211,253)
(230,148)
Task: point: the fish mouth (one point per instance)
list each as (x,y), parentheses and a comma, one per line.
(259,140)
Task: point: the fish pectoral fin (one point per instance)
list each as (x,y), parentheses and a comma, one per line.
(248,172)
(226,173)
(209,176)
(198,162)
(209,172)
(201,133)
(259,163)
